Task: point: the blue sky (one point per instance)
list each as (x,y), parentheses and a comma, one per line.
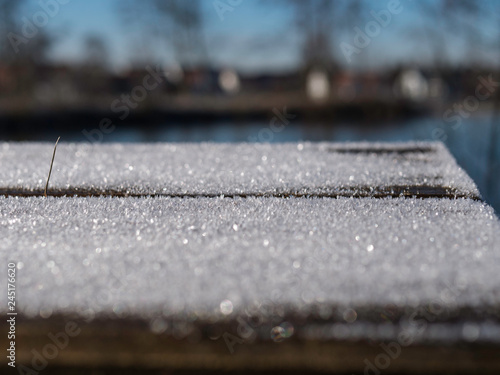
(226,39)
(253,37)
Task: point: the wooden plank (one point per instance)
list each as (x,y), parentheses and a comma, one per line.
(308,169)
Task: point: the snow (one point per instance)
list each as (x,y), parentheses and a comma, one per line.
(212,259)
(311,237)
(321,169)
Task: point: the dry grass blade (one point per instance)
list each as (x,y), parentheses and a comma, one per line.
(50,170)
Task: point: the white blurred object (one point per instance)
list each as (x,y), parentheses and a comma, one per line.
(229,81)
(174,73)
(413,85)
(318,85)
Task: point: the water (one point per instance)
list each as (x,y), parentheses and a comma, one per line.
(470,142)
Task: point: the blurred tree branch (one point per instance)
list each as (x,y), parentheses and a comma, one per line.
(445,19)
(8,10)
(319,23)
(177,23)
(35,48)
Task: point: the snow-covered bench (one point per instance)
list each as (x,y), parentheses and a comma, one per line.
(312,256)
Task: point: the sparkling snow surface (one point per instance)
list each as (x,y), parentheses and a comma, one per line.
(218,256)
(148,256)
(232,169)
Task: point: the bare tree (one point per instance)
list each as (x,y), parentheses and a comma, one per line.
(96,53)
(314,21)
(8,24)
(177,24)
(445,19)
(320,23)
(16,47)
